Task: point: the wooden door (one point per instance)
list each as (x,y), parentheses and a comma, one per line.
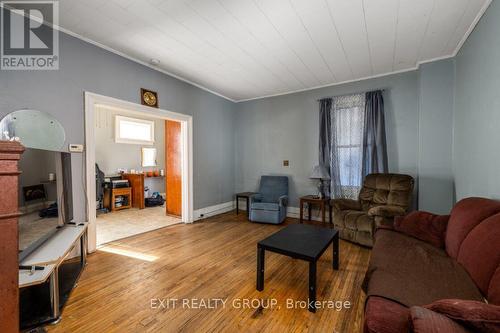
(173,173)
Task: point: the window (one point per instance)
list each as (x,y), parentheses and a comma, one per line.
(347,124)
(148,157)
(134,131)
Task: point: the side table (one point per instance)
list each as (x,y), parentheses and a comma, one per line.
(245,195)
(119,192)
(311,200)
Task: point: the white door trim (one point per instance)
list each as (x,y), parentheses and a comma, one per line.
(91,101)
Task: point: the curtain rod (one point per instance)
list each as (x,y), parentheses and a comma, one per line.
(354,93)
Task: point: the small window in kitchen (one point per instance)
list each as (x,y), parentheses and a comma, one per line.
(134,131)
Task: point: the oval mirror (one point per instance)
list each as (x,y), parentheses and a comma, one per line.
(35,129)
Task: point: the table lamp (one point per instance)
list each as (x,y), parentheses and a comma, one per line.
(321,173)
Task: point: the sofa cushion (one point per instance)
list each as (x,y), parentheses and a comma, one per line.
(427,321)
(479,316)
(413,272)
(385,316)
(265,206)
(425,226)
(465,216)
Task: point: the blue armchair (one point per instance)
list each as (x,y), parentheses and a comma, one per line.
(269,204)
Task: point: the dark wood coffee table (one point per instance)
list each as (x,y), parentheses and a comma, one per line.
(300,241)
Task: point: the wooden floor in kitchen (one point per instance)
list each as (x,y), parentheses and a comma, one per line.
(211,259)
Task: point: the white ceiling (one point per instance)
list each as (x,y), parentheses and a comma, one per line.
(245,49)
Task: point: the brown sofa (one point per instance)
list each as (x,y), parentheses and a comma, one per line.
(382,197)
(426,260)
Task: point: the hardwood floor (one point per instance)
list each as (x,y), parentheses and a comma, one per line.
(211,259)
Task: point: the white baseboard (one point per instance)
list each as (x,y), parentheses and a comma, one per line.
(293,212)
(213,210)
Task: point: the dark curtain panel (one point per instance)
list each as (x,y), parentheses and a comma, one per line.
(325,136)
(374,141)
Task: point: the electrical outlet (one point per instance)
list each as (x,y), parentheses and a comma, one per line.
(75,148)
(286,163)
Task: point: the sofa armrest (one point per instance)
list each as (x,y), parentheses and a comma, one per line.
(386,211)
(385,316)
(256,197)
(345,204)
(283,200)
(427,227)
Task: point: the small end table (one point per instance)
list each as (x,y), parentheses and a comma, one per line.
(245,195)
(311,200)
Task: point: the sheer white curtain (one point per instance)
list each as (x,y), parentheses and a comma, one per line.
(347,121)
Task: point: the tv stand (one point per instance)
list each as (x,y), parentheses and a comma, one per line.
(32,269)
(51,255)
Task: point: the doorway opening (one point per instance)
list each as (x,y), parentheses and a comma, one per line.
(138,166)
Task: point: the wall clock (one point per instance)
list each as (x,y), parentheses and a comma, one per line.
(149,98)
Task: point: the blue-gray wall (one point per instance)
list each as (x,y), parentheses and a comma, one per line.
(441,120)
(419,118)
(285,127)
(435,178)
(84,67)
(476,153)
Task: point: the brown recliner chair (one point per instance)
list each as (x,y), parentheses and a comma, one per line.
(382,197)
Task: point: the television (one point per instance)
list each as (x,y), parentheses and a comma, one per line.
(45,200)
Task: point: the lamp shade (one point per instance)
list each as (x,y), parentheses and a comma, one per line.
(319,172)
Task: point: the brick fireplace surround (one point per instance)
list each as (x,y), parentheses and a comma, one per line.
(10,153)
